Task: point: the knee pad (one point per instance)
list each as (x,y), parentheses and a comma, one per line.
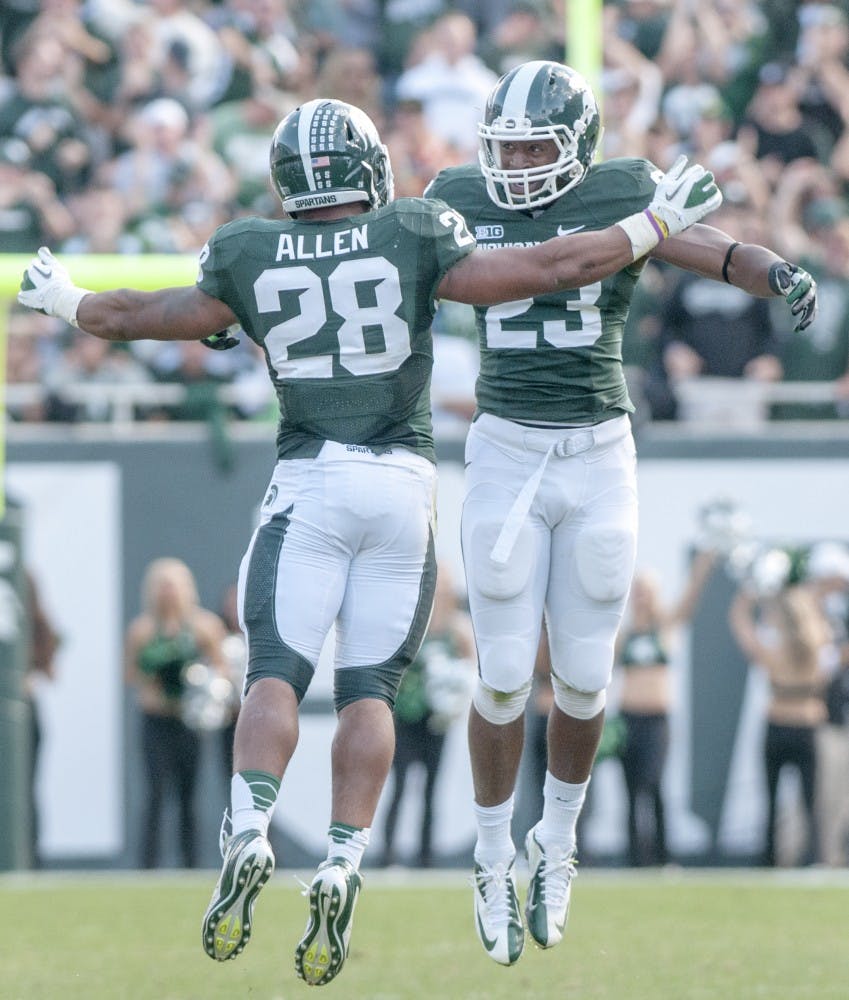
(605,557)
(500,707)
(577,704)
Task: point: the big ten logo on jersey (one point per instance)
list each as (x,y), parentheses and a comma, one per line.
(489,232)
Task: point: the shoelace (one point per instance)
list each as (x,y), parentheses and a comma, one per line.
(555,877)
(496,888)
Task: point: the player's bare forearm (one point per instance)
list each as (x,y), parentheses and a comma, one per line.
(703,250)
(487,277)
(169,314)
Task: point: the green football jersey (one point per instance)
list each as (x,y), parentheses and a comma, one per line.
(557,357)
(343,312)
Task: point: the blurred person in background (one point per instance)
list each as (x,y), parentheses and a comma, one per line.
(451,81)
(41,107)
(434,693)
(632,85)
(827,578)
(166,167)
(44,641)
(417,152)
(786,635)
(172,633)
(30,212)
(711,330)
(811,219)
(85,362)
(522,32)
(644,649)
(774,130)
(235,652)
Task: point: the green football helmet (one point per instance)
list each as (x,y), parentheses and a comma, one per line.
(538,100)
(329,153)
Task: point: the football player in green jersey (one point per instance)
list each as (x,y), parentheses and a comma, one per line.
(340,295)
(550,514)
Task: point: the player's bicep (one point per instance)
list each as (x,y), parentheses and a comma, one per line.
(193,314)
(486,277)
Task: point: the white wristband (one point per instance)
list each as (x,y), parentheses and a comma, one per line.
(67,302)
(644,231)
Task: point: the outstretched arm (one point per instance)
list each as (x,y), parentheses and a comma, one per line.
(184,313)
(683,196)
(714,254)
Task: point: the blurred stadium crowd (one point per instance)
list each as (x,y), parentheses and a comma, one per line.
(132,127)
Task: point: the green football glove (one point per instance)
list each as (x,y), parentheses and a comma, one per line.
(798,289)
(221,341)
(47,287)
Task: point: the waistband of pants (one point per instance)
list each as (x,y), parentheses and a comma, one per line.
(332,451)
(564,441)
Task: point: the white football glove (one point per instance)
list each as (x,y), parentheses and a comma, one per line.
(798,289)
(684,196)
(47,287)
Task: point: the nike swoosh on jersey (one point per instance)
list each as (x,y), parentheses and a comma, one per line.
(565,232)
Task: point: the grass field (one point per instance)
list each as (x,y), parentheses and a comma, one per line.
(654,936)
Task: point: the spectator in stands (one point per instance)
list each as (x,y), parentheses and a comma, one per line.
(632,86)
(40,107)
(710,328)
(417,152)
(823,356)
(195,51)
(350,74)
(821,71)
(451,82)
(30,213)
(166,167)
(774,130)
(264,45)
(520,34)
(83,365)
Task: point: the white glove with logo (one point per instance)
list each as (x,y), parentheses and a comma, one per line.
(47,287)
(683,195)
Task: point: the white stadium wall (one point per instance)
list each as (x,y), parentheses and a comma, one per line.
(97,509)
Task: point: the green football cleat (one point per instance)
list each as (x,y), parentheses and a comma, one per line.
(497,917)
(549,889)
(333,894)
(248,865)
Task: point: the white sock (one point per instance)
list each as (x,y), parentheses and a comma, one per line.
(251,803)
(494,842)
(562,804)
(348,842)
